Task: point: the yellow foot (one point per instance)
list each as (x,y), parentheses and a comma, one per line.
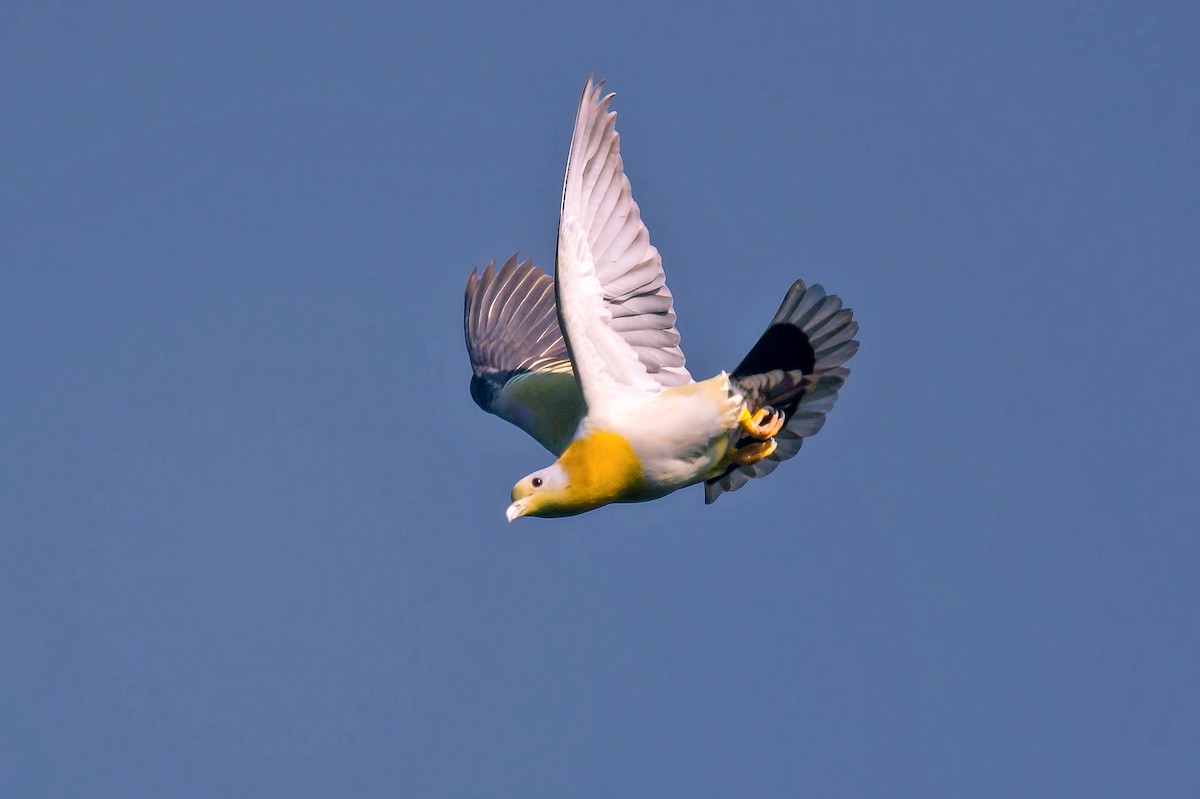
(754,426)
(752,453)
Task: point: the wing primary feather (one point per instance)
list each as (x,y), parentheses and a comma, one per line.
(608,270)
(520,369)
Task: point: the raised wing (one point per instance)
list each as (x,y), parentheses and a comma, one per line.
(522,372)
(613,300)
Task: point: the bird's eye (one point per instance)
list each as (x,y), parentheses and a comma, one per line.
(537,482)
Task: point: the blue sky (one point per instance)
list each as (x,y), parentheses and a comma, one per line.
(254,541)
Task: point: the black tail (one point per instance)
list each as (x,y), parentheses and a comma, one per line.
(796,367)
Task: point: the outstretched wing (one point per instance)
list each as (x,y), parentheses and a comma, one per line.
(522,372)
(613,302)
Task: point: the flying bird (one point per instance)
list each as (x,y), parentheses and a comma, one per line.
(588,362)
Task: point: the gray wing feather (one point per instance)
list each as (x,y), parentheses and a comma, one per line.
(521,370)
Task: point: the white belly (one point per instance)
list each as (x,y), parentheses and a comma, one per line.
(680,434)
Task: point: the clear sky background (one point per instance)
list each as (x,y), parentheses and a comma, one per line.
(253,525)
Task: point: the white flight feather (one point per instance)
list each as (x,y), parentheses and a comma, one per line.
(607,366)
(613,302)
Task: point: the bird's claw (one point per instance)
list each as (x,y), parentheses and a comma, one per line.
(752,453)
(753,424)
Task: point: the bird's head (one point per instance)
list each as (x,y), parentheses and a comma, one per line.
(540,493)
(595,470)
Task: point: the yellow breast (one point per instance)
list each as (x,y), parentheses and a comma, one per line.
(602,467)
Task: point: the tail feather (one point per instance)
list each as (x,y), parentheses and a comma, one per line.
(795,367)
